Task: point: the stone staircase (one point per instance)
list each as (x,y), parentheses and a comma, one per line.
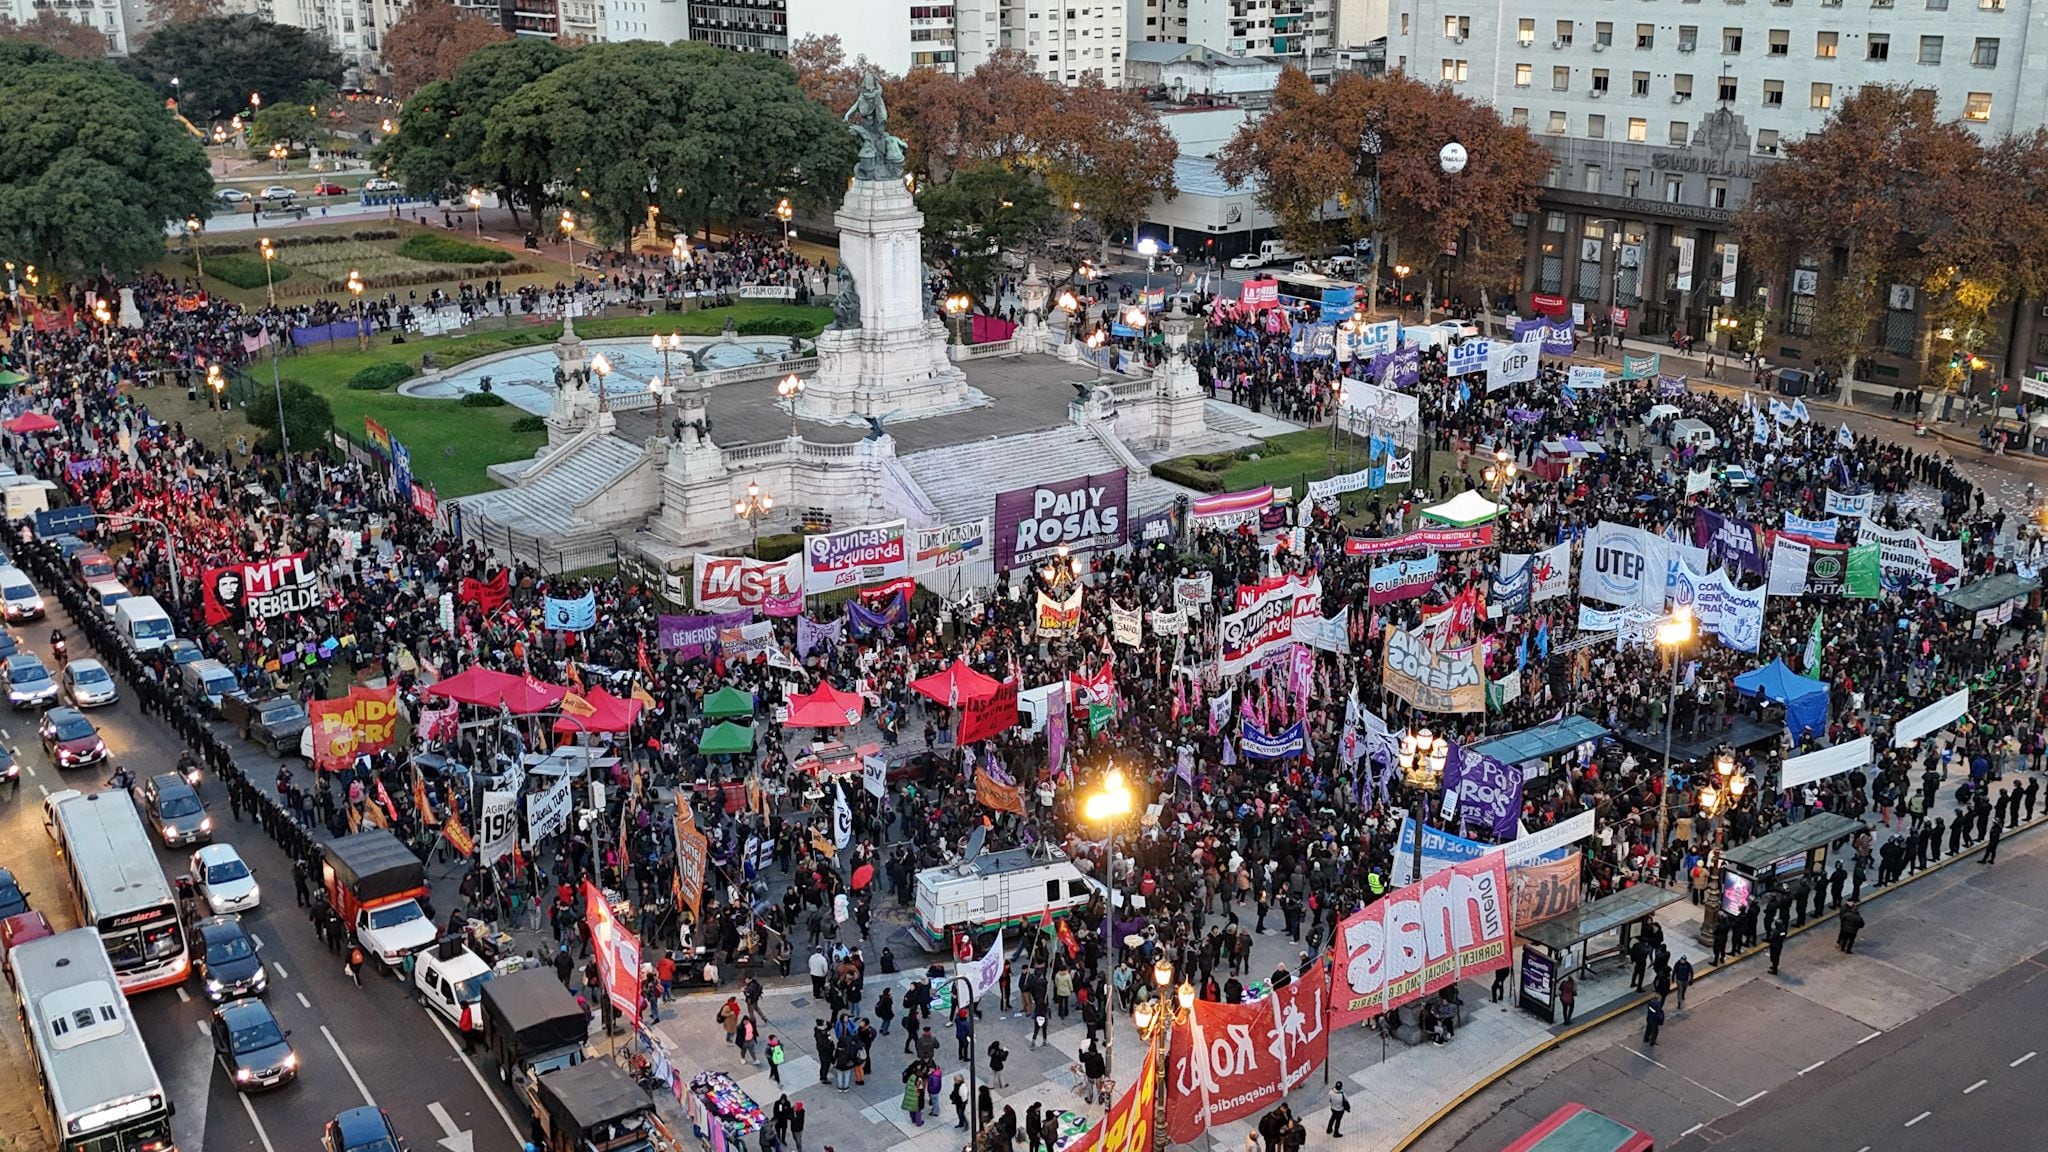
(962,480)
(553,506)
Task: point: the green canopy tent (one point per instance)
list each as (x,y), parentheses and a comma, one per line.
(728,739)
(9,379)
(728,702)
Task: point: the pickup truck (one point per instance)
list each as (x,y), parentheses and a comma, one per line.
(532,1026)
(380,889)
(274,723)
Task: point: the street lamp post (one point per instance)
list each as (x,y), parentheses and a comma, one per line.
(215,381)
(192,227)
(600,367)
(756,505)
(783,212)
(269,251)
(568,226)
(1674,633)
(476,205)
(667,346)
(1500,474)
(1105,806)
(355,287)
(1401,291)
(791,390)
(956,306)
(1156,1019)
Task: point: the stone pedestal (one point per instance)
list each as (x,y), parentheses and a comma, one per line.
(1031,336)
(1177,388)
(895,362)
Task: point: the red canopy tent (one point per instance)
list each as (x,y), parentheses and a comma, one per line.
(31,422)
(956,684)
(828,707)
(609,714)
(485,688)
(530,696)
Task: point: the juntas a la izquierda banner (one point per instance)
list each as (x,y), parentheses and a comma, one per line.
(1452,924)
(260,589)
(1232,1060)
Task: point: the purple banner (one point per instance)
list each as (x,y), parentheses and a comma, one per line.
(85,467)
(323,333)
(1085,513)
(1524,415)
(1728,541)
(696,637)
(812,636)
(1531,330)
(863,620)
(1056,731)
(1489,792)
(1407,367)
(1559,339)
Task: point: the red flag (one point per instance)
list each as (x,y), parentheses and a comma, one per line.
(384,799)
(646,667)
(487,594)
(1067,940)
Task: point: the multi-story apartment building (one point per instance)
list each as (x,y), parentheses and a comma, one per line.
(1661,114)
(1069,39)
(895,36)
(1282,28)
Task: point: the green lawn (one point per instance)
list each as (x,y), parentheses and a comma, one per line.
(1291,459)
(452,446)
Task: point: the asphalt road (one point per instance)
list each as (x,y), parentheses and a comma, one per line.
(355,1046)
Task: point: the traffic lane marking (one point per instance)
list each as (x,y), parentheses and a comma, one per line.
(303,1002)
(348,1067)
(490,1093)
(261,1134)
(1974,1087)
(1811,1067)
(2022,1060)
(1917,1119)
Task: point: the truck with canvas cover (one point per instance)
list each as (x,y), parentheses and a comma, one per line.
(380,889)
(595,1107)
(532,1026)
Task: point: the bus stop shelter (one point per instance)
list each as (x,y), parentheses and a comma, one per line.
(1548,948)
(1774,860)
(1533,749)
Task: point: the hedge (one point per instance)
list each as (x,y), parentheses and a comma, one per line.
(361,235)
(245,271)
(1194,472)
(436,249)
(482,400)
(778,326)
(530,424)
(378,377)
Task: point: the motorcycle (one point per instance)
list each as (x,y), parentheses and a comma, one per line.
(61,649)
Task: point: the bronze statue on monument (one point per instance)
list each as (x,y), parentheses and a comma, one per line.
(881,155)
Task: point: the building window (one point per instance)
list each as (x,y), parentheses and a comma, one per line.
(1727,94)
(1799,310)
(1767,141)
(1677,134)
(1717,193)
(1457,27)
(1600,80)
(1525,33)
(1878,47)
(1774,93)
(1639,84)
(1681,85)
(1564,33)
(1778,42)
(1688,37)
(1523,74)
(1822,97)
(1674,189)
(1977,107)
(1991,5)
(1603,34)
(1937,5)
(1560,79)
(1557,124)
(1632,182)
(1450,67)
(1638,130)
(1646,35)
(1731,41)
(1930,49)
(1404,22)
(1985,53)
(1592,183)
(1596,127)
(1518,117)
(1824,44)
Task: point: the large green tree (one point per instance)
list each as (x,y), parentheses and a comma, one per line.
(440,137)
(91,166)
(220,61)
(690,128)
(981,212)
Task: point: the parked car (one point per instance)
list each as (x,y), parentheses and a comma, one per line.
(90,565)
(451,980)
(71,740)
(365,1129)
(329,188)
(227,884)
(225,959)
(19,599)
(253,1049)
(183,652)
(232,196)
(17,929)
(278,192)
(13,901)
(87,685)
(172,807)
(29,684)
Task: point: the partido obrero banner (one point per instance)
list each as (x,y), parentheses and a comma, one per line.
(260,589)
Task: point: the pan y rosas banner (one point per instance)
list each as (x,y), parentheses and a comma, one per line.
(1421,938)
(259,589)
(1232,1060)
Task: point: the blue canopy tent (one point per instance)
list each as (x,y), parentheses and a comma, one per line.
(1805,699)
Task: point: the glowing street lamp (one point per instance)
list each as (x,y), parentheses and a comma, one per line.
(476,205)
(756,505)
(791,389)
(1675,632)
(355,288)
(1109,803)
(783,212)
(219,385)
(601,368)
(568,226)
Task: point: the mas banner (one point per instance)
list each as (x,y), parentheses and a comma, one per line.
(364,721)
(947,546)
(1230,1061)
(855,556)
(260,589)
(730,583)
(1085,513)
(1429,680)
(1419,939)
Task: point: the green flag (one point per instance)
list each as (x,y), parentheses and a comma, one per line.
(1813,646)
(1100,717)
(1861,579)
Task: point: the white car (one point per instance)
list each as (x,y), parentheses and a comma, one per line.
(232,196)
(278,192)
(1245,260)
(451,980)
(379,184)
(87,685)
(227,884)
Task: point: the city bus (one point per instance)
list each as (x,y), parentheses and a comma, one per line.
(119,887)
(96,1076)
(1577,1128)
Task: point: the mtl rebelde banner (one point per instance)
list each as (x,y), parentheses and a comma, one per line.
(258,590)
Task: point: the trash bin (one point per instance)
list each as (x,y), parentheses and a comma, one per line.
(1791,382)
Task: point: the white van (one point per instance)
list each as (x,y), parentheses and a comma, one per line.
(25,498)
(143,623)
(1009,887)
(1697,433)
(18,597)
(107,594)
(1034,704)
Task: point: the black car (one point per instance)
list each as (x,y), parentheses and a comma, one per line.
(256,1053)
(13,901)
(227,960)
(361,1130)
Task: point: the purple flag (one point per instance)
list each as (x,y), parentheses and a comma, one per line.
(811,635)
(1489,792)
(865,620)
(1056,731)
(696,637)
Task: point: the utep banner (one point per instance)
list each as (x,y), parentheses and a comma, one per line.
(947,546)
(695,637)
(854,556)
(729,583)
(1429,680)
(1230,1061)
(1084,513)
(1623,565)
(261,589)
(1417,940)
(364,721)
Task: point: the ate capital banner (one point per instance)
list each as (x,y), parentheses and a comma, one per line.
(364,721)
(1230,1061)
(1450,925)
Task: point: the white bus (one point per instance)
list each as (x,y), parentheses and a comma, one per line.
(102,1090)
(119,887)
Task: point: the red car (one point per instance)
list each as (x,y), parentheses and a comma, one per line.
(329,189)
(92,566)
(70,738)
(20,929)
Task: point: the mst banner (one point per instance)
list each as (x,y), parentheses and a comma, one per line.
(1421,938)
(260,589)
(1233,1060)
(1085,513)
(730,583)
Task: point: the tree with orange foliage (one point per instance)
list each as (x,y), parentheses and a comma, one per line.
(60,35)
(431,40)
(1105,150)
(823,72)
(996,113)
(163,12)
